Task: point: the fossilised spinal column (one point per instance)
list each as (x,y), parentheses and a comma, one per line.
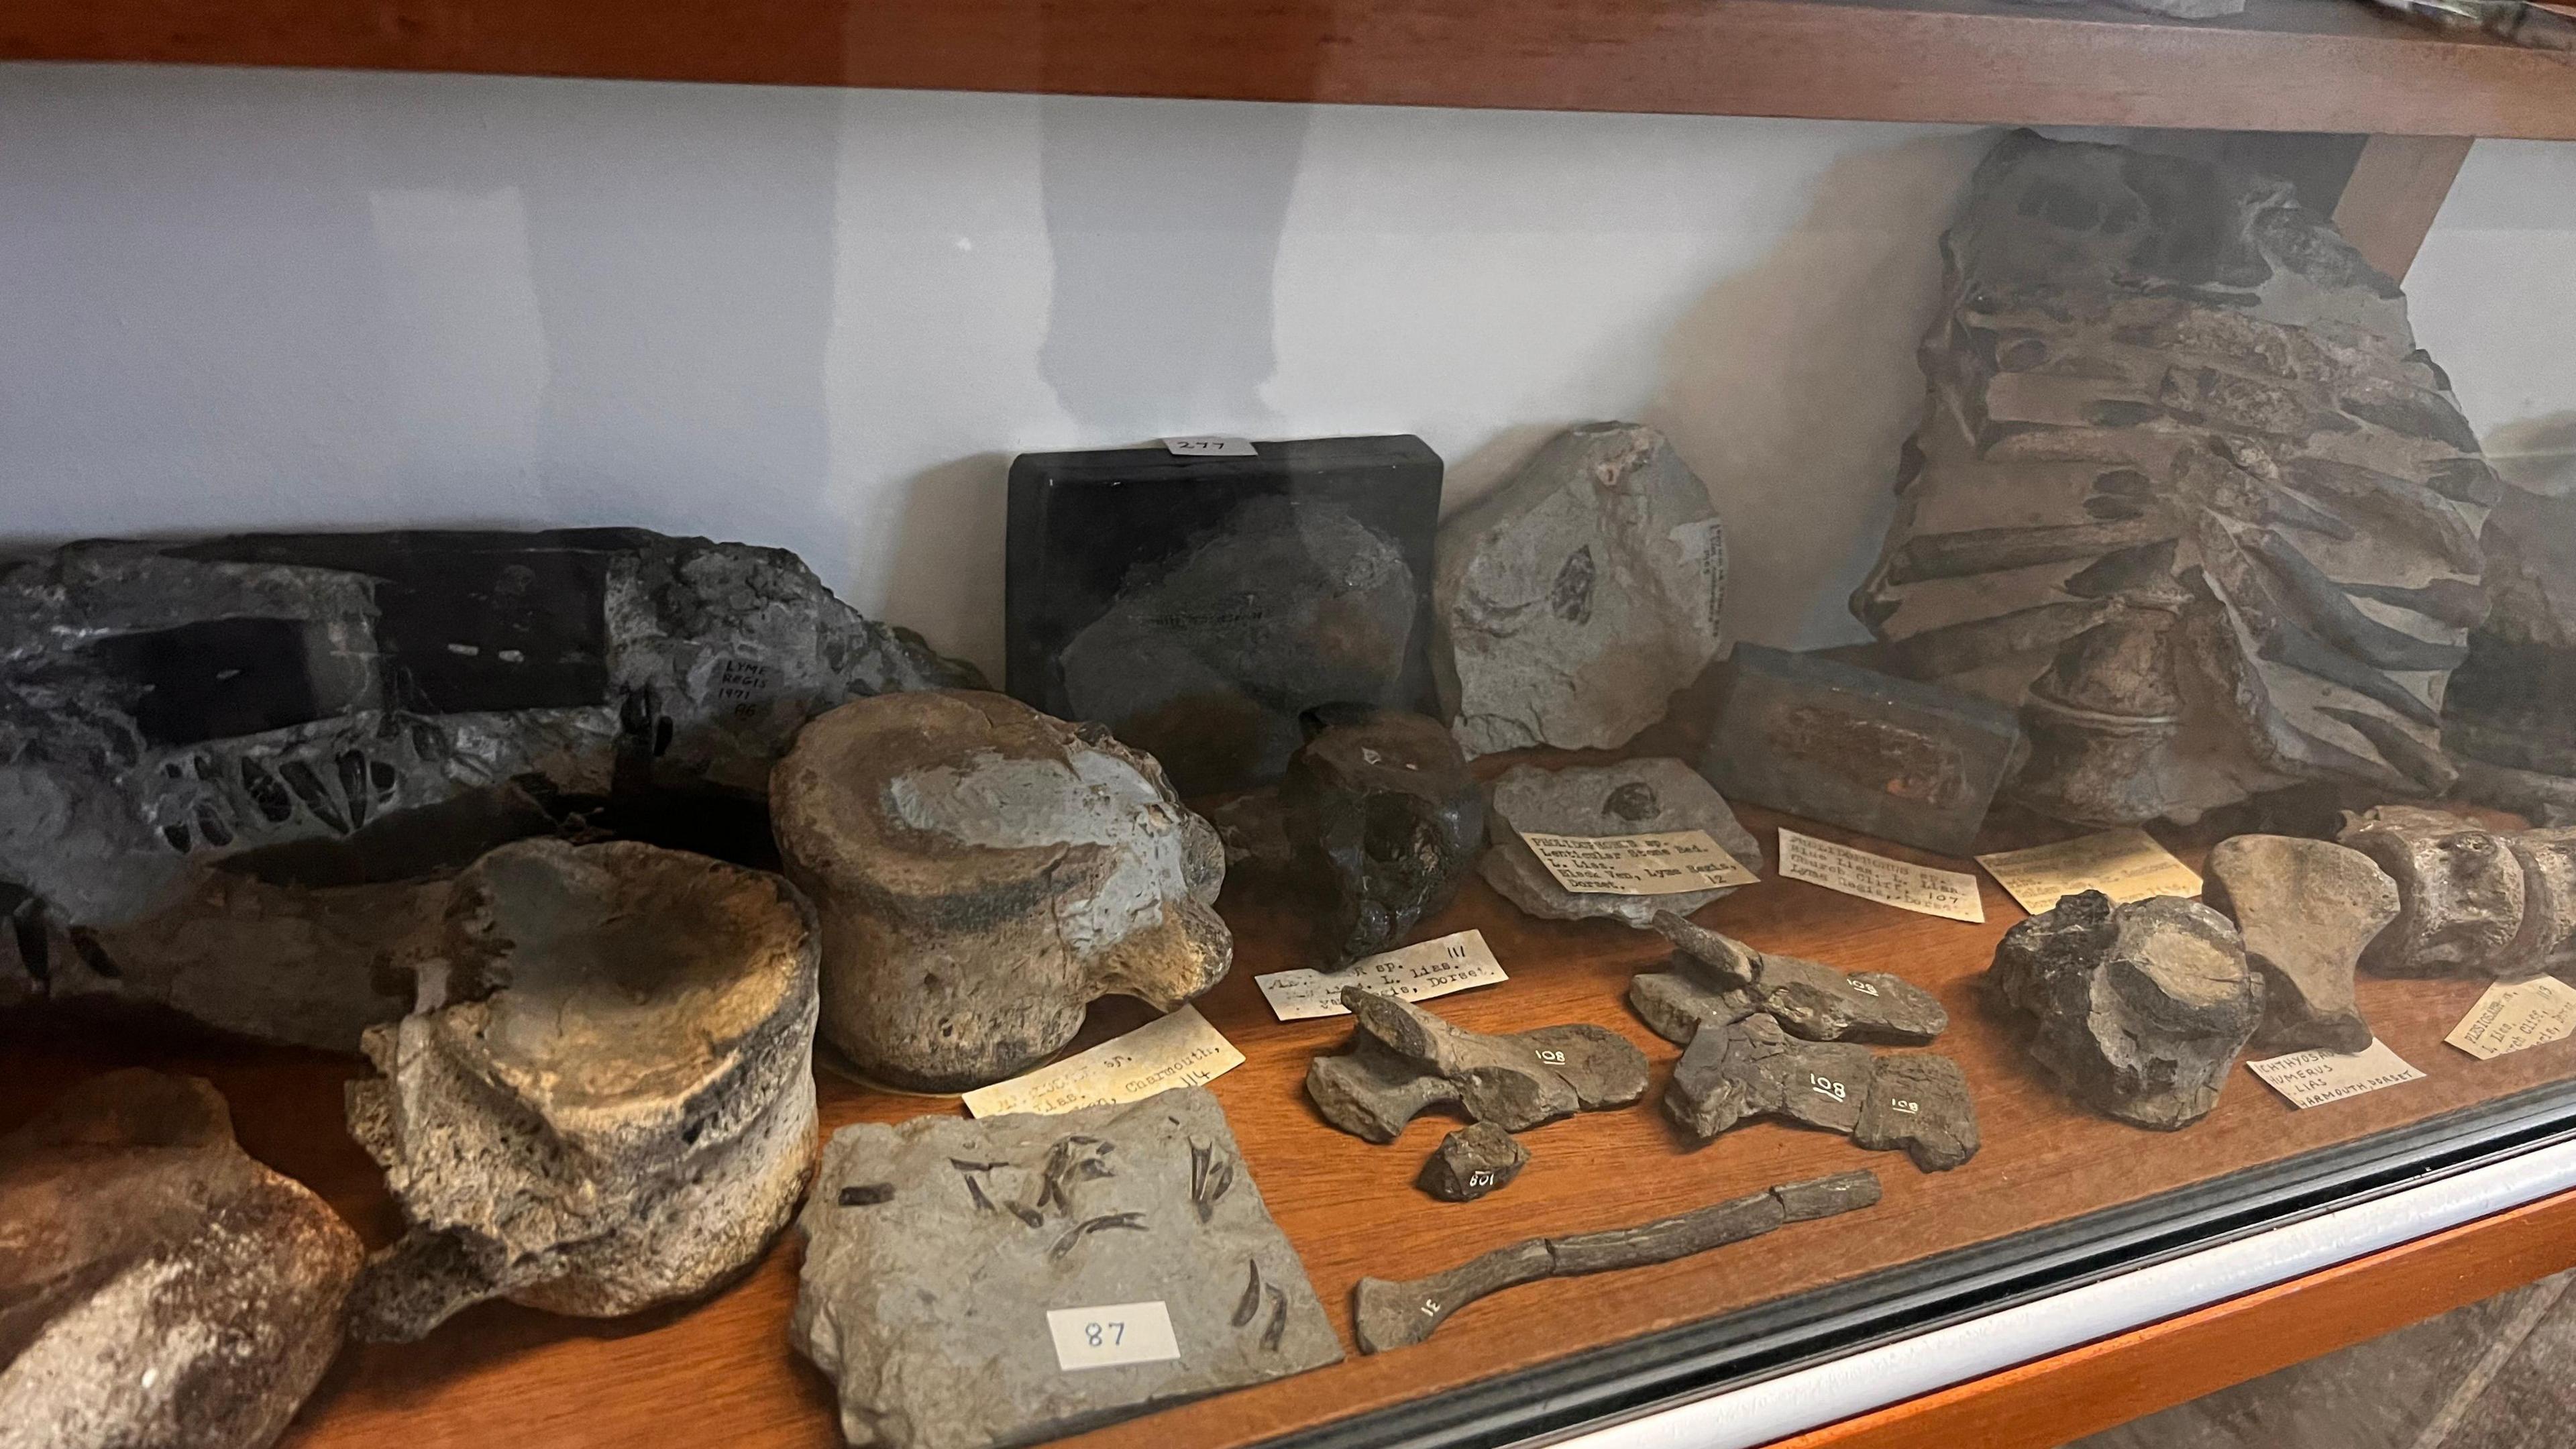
(2470,901)
(2185,493)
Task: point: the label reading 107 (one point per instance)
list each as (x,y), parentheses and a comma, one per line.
(1112,1334)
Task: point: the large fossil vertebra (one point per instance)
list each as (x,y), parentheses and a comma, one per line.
(2186,493)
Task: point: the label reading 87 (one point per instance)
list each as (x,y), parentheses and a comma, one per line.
(1111,1334)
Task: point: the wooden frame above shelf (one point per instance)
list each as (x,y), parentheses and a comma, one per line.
(2284,65)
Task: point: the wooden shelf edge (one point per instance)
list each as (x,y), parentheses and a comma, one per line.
(2051,1401)
(2287,65)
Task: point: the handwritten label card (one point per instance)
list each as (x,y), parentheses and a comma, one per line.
(1209,447)
(1638,865)
(2314,1078)
(2515,1015)
(2126,865)
(1414,973)
(1896,883)
(1112,1334)
(1181,1050)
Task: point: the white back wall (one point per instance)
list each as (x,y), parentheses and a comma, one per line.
(827,319)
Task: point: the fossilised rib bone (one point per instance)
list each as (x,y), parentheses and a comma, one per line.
(1632,797)
(2470,901)
(937,1251)
(1391,1314)
(604,1099)
(2186,493)
(2307,909)
(1385,821)
(1477,1159)
(1722,980)
(1403,1061)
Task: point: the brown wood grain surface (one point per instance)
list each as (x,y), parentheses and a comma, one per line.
(2291,65)
(721,1372)
(2396,190)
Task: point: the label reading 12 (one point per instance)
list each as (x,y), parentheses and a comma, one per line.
(1112,1334)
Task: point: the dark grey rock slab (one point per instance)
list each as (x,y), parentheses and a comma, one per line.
(1475,1160)
(1677,1005)
(1403,1061)
(1370,1092)
(1909,762)
(1751,1069)
(1634,797)
(2139,1010)
(2306,909)
(935,1251)
(1722,979)
(1917,1103)
(1385,823)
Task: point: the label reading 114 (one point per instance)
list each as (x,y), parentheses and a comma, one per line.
(1112,1334)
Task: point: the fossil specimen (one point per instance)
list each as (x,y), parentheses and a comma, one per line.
(2186,493)
(1477,1159)
(604,1098)
(1391,1314)
(1718,979)
(948,1261)
(1385,823)
(1403,1061)
(158,1288)
(1739,1071)
(2470,901)
(2307,909)
(1632,797)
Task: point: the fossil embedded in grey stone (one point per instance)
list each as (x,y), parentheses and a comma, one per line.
(604,1099)
(1386,1314)
(1385,822)
(1717,975)
(1751,1068)
(158,1288)
(195,735)
(1633,797)
(984,873)
(1917,1103)
(2138,1010)
(2186,493)
(1576,597)
(1516,1082)
(2505,718)
(1477,1159)
(927,1299)
(2470,901)
(2306,910)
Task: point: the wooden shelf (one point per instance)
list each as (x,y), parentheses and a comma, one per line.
(2285,65)
(723,1372)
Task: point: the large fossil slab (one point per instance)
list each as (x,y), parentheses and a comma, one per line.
(158,1288)
(1384,822)
(984,873)
(2470,901)
(1633,797)
(2307,909)
(938,1251)
(2186,493)
(1577,596)
(603,1098)
(1403,1061)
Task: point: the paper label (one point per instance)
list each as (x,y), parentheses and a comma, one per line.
(1703,546)
(1208,447)
(1414,973)
(1876,878)
(1116,1333)
(2314,1078)
(1181,1050)
(1638,865)
(2126,865)
(2514,1015)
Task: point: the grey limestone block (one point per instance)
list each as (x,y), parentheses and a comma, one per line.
(935,1251)
(985,872)
(1385,822)
(1572,601)
(2470,901)
(1475,1160)
(159,1289)
(1718,978)
(2138,1010)
(1403,1061)
(603,1099)
(1634,797)
(2306,909)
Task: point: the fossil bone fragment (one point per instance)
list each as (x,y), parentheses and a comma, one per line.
(957,1273)
(1385,822)
(2470,901)
(2307,909)
(1739,1071)
(1392,1314)
(984,873)
(1477,1159)
(1720,979)
(1403,1061)
(1633,797)
(2186,493)
(604,1099)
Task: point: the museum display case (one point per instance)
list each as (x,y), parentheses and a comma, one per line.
(969,725)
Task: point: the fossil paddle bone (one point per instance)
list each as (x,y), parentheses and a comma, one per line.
(1720,979)
(1404,1061)
(1389,1314)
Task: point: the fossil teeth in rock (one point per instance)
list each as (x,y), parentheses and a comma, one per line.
(1634,797)
(2138,1010)
(1477,1159)
(2306,910)
(1516,1082)
(1722,979)
(1575,598)
(158,1288)
(1751,1068)
(1918,1103)
(937,1253)
(984,873)
(1385,822)
(604,1099)
(2470,901)
(1388,1314)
